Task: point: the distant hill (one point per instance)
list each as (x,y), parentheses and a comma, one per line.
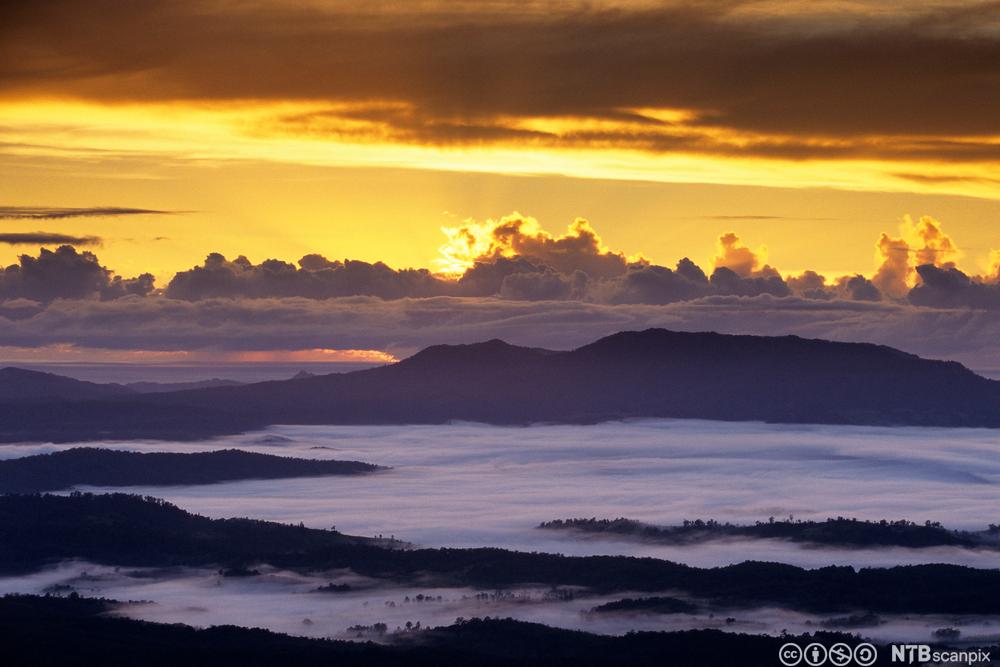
(19,384)
(653,373)
(839,531)
(161,387)
(107,467)
(637,374)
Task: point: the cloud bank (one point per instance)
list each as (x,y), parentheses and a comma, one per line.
(514,258)
(520,283)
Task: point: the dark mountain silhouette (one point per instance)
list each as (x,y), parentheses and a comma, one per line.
(108,467)
(19,384)
(652,373)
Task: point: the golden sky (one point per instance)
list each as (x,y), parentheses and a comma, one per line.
(358,130)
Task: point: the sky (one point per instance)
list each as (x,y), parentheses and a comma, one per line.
(826,168)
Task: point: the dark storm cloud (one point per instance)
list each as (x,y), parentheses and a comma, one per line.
(56,213)
(466,72)
(47,238)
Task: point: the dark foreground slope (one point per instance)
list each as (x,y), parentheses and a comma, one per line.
(117,529)
(653,373)
(126,529)
(107,467)
(79,631)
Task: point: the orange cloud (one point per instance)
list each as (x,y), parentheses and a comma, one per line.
(993,274)
(65,353)
(893,273)
(516,235)
(319,354)
(925,241)
(732,254)
(933,246)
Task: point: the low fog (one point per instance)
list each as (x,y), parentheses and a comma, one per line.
(466,485)
(287,602)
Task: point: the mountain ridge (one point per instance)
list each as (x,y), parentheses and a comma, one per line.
(22,384)
(655,373)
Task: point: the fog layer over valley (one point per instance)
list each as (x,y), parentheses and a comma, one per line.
(289,602)
(467,485)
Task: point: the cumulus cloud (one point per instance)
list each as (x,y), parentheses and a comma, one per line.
(521,283)
(932,245)
(66,273)
(858,288)
(545,285)
(516,235)
(811,285)
(514,258)
(893,274)
(732,254)
(920,243)
(652,284)
(993,273)
(727,281)
(947,287)
(315,277)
